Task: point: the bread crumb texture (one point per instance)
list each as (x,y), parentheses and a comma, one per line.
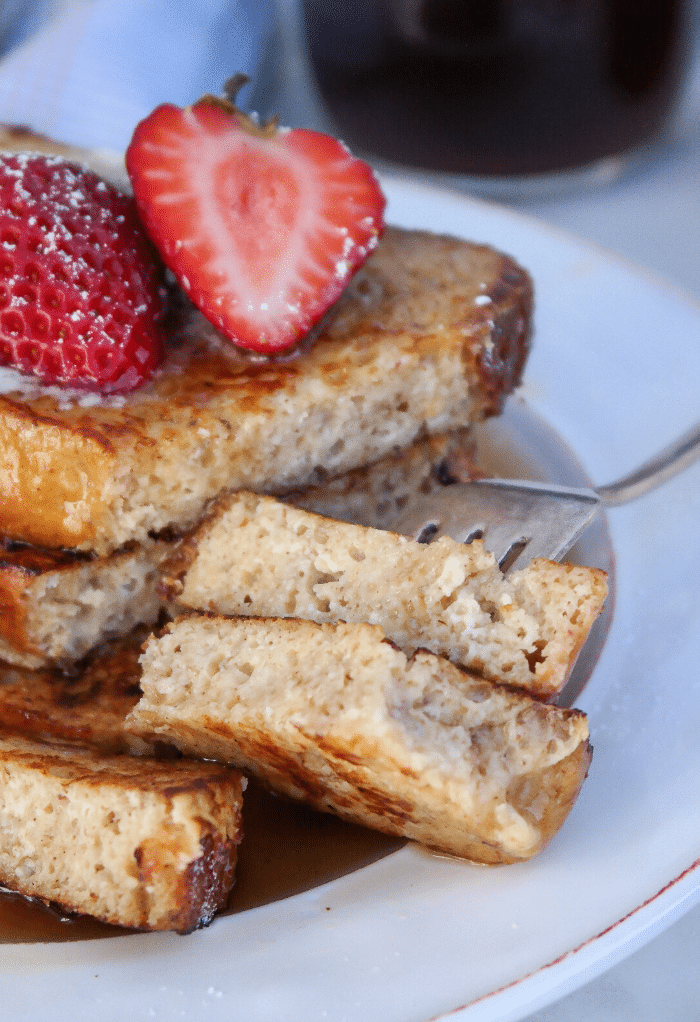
(338,717)
(58,606)
(259,557)
(130,841)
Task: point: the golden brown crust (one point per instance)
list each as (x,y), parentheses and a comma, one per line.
(502,362)
(197,892)
(20,566)
(176,566)
(488,301)
(86,707)
(172,830)
(408,746)
(556,787)
(324,774)
(411,346)
(52,476)
(166,778)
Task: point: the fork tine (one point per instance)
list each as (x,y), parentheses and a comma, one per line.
(517,520)
(556,518)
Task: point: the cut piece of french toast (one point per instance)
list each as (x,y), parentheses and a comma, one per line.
(256,556)
(57,605)
(336,716)
(431,335)
(131,841)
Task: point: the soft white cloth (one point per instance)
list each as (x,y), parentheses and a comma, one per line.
(86,71)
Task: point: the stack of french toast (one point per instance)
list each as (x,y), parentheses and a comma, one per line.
(197,585)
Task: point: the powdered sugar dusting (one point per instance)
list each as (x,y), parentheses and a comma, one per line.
(24,387)
(80,291)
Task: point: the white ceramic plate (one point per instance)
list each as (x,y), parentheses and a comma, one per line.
(615,370)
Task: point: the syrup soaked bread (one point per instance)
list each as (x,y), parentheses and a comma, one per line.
(135,842)
(57,605)
(86,706)
(255,556)
(337,717)
(430,336)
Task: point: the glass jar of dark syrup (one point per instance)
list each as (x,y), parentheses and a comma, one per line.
(497,88)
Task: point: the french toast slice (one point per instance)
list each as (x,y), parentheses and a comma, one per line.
(431,335)
(131,841)
(57,605)
(255,556)
(86,706)
(336,716)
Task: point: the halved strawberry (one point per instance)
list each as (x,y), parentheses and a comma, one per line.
(262,226)
(81,286)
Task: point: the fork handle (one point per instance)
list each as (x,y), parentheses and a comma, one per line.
(671,460)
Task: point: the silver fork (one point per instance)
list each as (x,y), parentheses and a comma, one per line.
(519,520)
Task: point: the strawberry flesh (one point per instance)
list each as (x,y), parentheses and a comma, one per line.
(81,287)
(262,228)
